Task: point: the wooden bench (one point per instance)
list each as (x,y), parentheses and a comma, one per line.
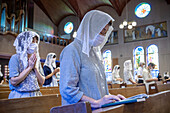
(41,104)
(81,107)
(128,91)
(4,86)
(163,87)
(5,94)
(155,88)
(156,103)
(4,89)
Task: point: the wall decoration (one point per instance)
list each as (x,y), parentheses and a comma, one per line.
(151,31)
(142,10)
(113,38)
(68,28)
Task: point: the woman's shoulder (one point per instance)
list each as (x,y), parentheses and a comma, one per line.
(72,48)
(14,57)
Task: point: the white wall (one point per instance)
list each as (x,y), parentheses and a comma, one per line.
(159,12)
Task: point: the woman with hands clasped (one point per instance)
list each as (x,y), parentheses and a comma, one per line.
(25,71)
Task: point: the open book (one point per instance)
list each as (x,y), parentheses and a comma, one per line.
(136,98)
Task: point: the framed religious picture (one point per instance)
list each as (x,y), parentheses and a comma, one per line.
(150,31)
(113,38)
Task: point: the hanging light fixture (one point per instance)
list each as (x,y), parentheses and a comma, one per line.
(127,24)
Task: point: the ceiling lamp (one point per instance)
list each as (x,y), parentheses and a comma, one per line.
(129,25)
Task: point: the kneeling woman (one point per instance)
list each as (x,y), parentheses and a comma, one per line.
(25,70)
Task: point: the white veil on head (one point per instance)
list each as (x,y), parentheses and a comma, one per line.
(128,65)
(91,25)
(115,69)
(48,61)
(21,43)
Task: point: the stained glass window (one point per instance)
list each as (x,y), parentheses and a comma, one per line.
(142,10)
(68,28)
(107,64)
(152,56)
(138,56)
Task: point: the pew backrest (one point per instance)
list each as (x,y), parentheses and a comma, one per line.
(80,107)
(128,91)
(40,104)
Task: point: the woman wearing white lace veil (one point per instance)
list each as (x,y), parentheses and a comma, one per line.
(50,70)
(128,77)
(25,71)
(115,75)
(81,69)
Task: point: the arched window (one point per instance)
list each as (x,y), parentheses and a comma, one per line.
(152,56)
(107,61)
(138,56)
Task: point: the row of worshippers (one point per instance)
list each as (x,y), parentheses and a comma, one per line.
(143,74)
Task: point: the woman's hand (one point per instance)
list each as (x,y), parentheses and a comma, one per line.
(105,100)
(121,96)
(32,61)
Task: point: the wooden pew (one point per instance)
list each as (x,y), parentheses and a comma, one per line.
(44,91)
(50,91)
(5,94)
(81,107)
(155,88)
(49,87)
(4,89)
(4,86)
(156,103)
(41,104)
(163,87)
(128,91)
(115,85)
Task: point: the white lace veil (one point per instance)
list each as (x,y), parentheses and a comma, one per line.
(21,43)
(128,65)
(115,70)
(91,25)
(48,61)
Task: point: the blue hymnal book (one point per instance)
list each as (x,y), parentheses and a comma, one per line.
(137,98)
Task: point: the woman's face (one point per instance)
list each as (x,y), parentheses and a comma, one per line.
(34,40)
(104,30)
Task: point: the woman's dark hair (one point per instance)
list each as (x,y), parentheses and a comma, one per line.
(110,23)
(36,37)
(151,64)
(54,56)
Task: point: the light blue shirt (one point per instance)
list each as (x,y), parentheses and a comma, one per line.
(29,84)
(81,75)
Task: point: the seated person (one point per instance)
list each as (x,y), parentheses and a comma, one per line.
(115,75)
(147,77)
(50,71)
(166,75)
(140,71)
(128,77)
(159,77)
